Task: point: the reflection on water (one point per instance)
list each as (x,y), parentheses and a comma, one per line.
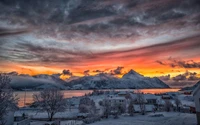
(27,97)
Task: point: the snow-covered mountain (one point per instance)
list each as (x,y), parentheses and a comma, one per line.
(106,81)
(191,87)
(41,81)
(130,80)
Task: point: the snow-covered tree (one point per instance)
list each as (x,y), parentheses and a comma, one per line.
(167,105)
(131,108)
(107,108)
(141,101)
(51,101)
(115,110)
(178,103)
(8,102)
(121,108)
(87,105)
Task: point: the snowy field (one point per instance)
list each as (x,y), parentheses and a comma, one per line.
(168,119)
(69,122)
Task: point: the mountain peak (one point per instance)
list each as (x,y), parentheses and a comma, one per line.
(132,75)
(132,72)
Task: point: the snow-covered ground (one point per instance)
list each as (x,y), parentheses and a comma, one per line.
(42,115)
(69,122)
(170,118)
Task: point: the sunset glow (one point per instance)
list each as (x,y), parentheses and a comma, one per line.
(156,39)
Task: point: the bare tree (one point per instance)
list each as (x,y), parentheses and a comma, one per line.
(167,105)
(87,105)
(141,101)
(107,108)
(131,108)
(178,103)
(51,101)
(115,110)
(121,108)
(8,102)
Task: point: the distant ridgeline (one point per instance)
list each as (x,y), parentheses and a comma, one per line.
(191,87)
(131,80)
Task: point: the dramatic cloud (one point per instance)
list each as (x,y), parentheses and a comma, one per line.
(86,72)
(165,78)
(117,71)
(98,71)
(11,32)
(181,80)
(179,63)
(45,37)
(67,72)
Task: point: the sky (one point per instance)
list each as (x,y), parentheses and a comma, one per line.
(85,37)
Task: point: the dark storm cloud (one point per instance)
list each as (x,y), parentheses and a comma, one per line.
(9,32)
(179,63)
(53,53)
(86,72)
(117,71)
(98,71)
(185,79)
(160,62)
(67,72)
(187,76)
(161,48)
(165,78)
(64,13)
(95,21)
(179,77)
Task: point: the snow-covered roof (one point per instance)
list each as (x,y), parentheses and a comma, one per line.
(116,97)
(150,96)
(147,108)
(133,96)
(166,96)
(122,93)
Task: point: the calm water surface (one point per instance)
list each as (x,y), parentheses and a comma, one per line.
(26,97)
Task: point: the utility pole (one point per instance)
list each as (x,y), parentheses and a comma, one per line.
(25,97)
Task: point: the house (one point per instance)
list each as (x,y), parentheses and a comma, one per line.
(196,95)
(187,92)
(113,100)
(148,108)
(122,93)
(150,98)
(166,97)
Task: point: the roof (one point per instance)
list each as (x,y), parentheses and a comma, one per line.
(166,96)
(150,96)
(122,93)
(196,90)
(116,97)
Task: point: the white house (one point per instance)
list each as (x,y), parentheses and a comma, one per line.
(196,95)
(115,100)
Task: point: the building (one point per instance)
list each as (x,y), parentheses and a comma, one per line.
(166,97)
(196,95)
(187,92)
(150,99)
(123,93)
(113,100)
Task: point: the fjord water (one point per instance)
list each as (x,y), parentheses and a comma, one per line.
(25,97)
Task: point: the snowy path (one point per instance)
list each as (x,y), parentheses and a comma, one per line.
(168,119)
